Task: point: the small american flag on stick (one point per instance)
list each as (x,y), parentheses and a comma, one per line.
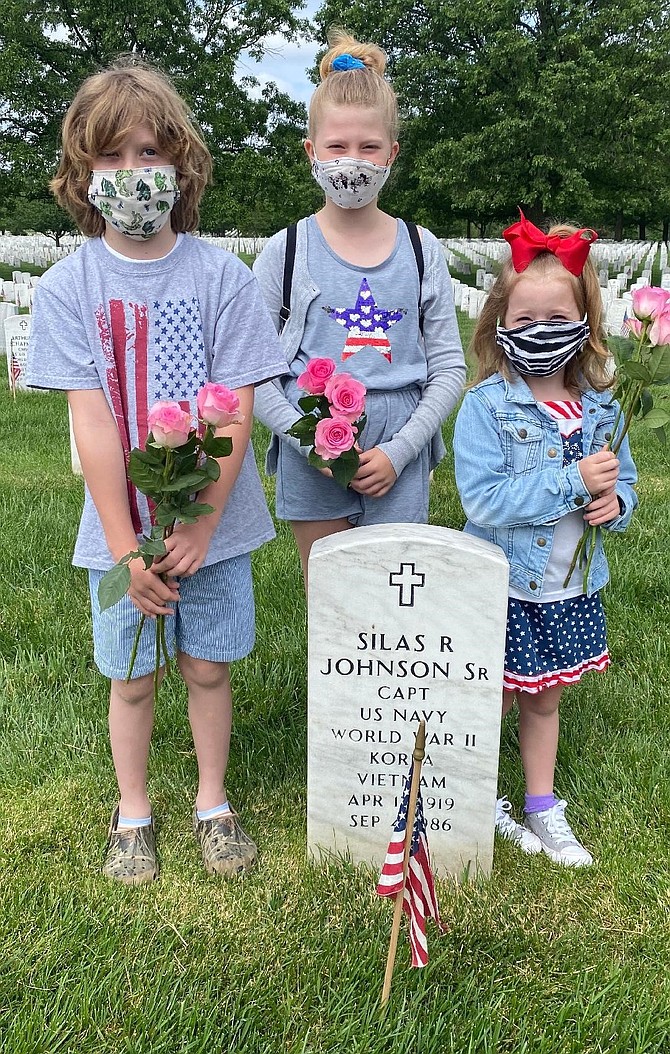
(419,900)
(406,873)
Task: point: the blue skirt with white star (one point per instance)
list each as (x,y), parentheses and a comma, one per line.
(552,644)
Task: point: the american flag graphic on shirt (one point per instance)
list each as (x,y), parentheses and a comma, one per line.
(568,415)
(152,351)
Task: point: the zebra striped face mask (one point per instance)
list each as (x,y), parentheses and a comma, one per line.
(542,348)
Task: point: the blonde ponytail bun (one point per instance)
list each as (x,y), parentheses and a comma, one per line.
(366,88)
(342,43)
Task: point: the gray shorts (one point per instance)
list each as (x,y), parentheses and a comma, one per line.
(304,493)
(213,620)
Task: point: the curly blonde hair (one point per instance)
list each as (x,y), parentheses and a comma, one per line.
(106,108)
(358,87)
(591,367)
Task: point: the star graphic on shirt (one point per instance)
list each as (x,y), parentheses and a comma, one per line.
(366,323)
(365,316)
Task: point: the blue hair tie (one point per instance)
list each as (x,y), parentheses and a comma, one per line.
(347,62)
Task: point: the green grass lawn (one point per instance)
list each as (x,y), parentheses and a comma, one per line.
(536,959)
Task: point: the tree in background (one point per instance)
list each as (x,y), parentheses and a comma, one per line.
(49,46)
(558,106)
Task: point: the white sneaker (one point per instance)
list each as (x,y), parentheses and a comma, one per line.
(507,827)
(556,837)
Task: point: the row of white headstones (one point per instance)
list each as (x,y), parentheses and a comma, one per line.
(625,259)
(481,257)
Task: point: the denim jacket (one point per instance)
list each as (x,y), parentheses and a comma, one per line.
(510,476)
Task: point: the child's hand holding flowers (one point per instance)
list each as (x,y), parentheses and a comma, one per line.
(333,420)
(179,460)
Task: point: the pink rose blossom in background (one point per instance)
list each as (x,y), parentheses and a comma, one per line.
(634,326)
(659,332)
(169,424)
(218,406)
(649,301)
(346,396)
(314,379)
(333,436)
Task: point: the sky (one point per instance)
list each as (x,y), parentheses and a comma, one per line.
(285,63)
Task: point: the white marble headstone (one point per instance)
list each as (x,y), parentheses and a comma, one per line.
(406,621)
(615,316)
(17,333)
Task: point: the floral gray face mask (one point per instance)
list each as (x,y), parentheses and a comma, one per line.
(350,182)
(136,201)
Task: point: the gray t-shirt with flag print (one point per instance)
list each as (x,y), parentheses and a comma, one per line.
(144,331)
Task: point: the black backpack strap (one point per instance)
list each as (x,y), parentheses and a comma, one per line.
(289,260)
(418,253)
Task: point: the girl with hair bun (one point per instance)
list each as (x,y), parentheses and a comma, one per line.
(367,290)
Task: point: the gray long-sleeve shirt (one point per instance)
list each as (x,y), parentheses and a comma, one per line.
(444,364)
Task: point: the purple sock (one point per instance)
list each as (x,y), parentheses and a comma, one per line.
(539,802)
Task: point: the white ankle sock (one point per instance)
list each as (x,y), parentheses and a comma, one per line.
(211,814)
(124,823)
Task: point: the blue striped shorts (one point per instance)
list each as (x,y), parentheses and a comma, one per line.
(213,620)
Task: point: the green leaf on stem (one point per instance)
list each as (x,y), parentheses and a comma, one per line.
(622,348)
(344,468)
(187,483)
(199,508)
(360,424)
(303,426)
(146,478)
(317,462)
(659,364)
(166,514)
(151,456)
(212,468)
(313,402)
(656,418)
(220,446)
(153,547)
(186,464)
(635,371)
(113,586)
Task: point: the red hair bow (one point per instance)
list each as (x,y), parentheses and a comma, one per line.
(527,241)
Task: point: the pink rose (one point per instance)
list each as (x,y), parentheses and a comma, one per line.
(649,301)
(318,371)
(169,424)
(346,396)
(218,406)
(659,332)
(333,436)
(634,326)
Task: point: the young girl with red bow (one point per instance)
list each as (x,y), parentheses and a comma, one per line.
(533,467)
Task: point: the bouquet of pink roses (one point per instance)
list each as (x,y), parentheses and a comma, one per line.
(642,362)
(179,459)
(333,420)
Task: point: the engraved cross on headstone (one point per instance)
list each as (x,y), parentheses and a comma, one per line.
(406,580)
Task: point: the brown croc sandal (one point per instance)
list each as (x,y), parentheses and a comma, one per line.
(226,848)
(130,856)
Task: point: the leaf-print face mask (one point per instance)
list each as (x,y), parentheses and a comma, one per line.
(136,201)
